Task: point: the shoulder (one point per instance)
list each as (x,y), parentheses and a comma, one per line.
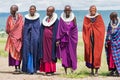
(9,17)
(19,14)
(57,20)
(86,18)
(99,16)
(74,18)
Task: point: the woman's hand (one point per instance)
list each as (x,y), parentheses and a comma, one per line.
(57,43)
(106,46)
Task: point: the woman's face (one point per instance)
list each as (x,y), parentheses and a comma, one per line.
(92,11)
(49,12)
(67,11)
(114,19)
(13,10)
(32,11)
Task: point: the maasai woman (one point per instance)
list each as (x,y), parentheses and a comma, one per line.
(47,42)
(30,41)
(14,27)
(67,37)
(112,44)
(93,37)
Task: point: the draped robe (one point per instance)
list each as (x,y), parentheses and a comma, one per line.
(14,40)
(97,29)
(30,52)
(67,34)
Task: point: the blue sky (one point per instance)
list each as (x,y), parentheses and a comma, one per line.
(59,4)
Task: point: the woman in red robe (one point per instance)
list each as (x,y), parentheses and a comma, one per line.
(48,39)
(14,28)
(93,37)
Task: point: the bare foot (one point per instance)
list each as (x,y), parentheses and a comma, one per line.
(96,74)
(91,74)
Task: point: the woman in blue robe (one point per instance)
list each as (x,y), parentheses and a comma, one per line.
(30,42)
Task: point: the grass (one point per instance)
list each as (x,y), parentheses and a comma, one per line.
(81,72)
(2,47)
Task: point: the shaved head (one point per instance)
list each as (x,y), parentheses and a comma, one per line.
(51,8)
(92,6)
(113,14)
(68,7)
(92,10)
(50,11)
(13,9)
(113,17)
(67,10)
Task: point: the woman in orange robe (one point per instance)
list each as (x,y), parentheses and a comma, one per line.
(93,37)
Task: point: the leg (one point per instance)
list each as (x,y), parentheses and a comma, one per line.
(111,73)
(96,72)
(65,70)
(19,70)
(19,67)
(52,73)
(15,68)
(47,74)
(117,74)
(92,46)
(92,72)
(71,70)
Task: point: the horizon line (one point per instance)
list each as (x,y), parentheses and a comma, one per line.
(73,10)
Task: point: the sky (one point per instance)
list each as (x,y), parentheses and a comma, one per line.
(59,4)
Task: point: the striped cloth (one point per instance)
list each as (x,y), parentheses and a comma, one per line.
(114,37)
(14,40)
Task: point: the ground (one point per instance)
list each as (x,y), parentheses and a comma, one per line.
(7,73)
(82,73)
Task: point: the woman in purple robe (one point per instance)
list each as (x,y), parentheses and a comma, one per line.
(67,38)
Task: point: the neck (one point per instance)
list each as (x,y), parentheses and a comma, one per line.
(92,14)
(14,15)
(67,16)
(50,17)
(32,15)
